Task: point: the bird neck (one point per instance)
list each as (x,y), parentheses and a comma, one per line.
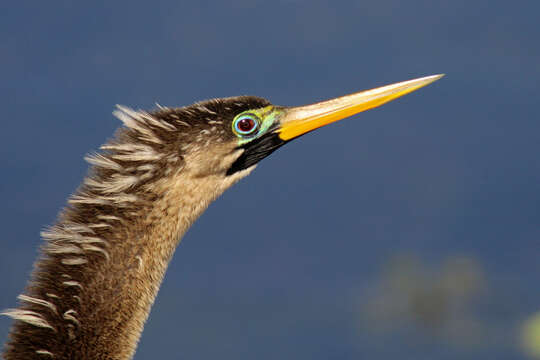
(91,292)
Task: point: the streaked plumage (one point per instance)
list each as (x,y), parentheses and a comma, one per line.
(103,261)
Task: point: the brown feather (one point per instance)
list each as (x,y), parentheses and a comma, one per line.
(103,262)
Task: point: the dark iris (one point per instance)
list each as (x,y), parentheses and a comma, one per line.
(246,124)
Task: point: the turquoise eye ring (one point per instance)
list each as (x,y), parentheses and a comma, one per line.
(245,124)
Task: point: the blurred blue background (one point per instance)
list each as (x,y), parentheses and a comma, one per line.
(410,231)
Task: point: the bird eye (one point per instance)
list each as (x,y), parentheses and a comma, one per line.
(245,124)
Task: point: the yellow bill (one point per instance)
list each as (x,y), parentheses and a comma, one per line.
(300,120)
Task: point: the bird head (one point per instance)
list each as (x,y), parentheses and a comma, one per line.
(220,140)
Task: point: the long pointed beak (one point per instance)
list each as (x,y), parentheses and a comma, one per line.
(300,120)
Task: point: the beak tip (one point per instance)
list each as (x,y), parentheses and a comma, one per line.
(426,80)
(435,77)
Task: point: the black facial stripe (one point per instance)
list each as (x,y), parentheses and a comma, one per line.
(256,150)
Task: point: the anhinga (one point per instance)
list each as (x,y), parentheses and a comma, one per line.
(103,261)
